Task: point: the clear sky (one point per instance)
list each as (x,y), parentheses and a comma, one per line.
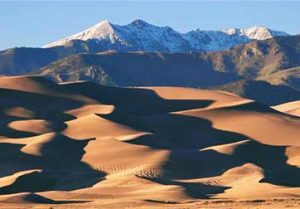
(36,23)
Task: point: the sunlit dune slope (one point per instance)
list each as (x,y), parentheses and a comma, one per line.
(82,142)
(292,108)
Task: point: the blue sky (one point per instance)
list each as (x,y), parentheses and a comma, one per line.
(36,23)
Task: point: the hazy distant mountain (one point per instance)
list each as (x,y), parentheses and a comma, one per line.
(142,36)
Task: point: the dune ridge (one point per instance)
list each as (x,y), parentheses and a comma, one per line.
(82,142)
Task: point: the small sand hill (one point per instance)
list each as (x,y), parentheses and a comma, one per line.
(25,198)
(81,142)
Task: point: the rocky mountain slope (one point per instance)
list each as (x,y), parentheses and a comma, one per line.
(17,61)
(138,69)
(287,77)
(272,89)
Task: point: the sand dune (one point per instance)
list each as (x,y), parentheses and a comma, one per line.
(32,126)
(90,145)
(258,123)
(25,198)
(127,163)
(93,125)
(292,108)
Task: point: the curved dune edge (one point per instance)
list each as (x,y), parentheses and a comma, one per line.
(30,199)
(91,109)
(260,126)
(93,125)
(8,180)
(81,142)
(251,186)
(292,108)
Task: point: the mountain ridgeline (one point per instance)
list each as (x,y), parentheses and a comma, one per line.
(142,36)
(136,36)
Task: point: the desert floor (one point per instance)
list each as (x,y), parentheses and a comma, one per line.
(205,204)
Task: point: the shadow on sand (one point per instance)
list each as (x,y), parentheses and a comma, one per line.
(141,109)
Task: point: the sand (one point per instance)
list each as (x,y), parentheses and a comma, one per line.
(81,145)
(292,108)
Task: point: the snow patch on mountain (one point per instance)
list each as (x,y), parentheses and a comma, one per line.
(142,36)
(256,33)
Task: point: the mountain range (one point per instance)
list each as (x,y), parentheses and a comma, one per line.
(271,63)
(244,70)
(196,69)
(142,36)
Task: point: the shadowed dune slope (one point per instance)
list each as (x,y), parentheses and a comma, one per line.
(82,142)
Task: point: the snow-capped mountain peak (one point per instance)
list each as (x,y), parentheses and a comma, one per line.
(255,33)
(142,36)
(102,30)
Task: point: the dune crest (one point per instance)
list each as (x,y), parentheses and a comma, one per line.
(292,108)
(82,142)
